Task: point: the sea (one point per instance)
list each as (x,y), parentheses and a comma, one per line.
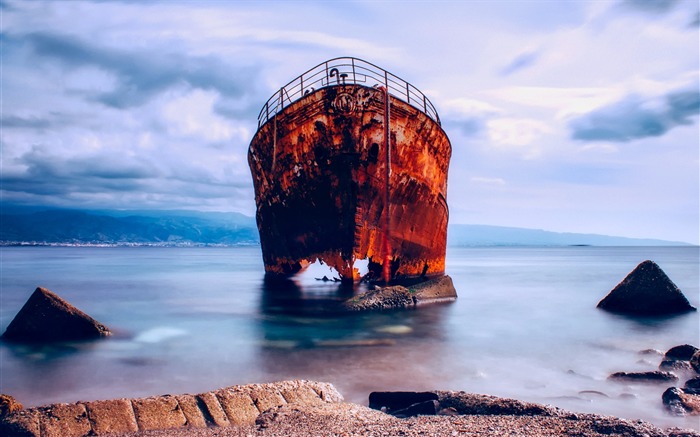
(195,319)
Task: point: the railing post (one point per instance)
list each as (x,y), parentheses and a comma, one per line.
(354,79)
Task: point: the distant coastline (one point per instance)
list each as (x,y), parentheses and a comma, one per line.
(23,226)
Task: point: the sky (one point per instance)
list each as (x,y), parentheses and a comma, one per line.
(568,116)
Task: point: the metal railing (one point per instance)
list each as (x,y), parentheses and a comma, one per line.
(345,71)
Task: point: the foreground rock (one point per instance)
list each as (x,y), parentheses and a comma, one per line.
(8,405)
(397,296)
(236,405)
(45,317)
(646,291)
(478,416)
(680,401)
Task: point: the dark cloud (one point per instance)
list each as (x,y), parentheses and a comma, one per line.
(12,121)
(140,75)
(635,118)
(469,127)
(651,6)
(119,182)
(522,61)
(695,22)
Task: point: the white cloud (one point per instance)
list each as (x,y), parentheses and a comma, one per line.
(520,134)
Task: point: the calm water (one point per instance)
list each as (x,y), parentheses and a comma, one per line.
(189,320)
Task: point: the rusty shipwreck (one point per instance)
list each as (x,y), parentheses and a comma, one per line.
(349,164)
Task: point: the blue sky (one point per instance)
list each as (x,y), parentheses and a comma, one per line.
(576,116)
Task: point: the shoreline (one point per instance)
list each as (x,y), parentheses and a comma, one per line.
(300,408)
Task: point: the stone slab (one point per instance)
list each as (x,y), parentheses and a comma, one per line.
(210,405)
(266,396)
(111,416)
(189,405)
(161,412)
(238,405)
(64,420)
(295,392)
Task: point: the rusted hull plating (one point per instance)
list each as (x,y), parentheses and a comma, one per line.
(319,169)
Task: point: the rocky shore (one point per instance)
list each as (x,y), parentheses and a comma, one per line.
(307,408)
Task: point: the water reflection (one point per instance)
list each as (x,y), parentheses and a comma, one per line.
(303,334)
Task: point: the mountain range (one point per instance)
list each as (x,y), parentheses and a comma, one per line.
(36,225)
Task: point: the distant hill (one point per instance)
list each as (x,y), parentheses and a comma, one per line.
(483,235)
(36,225)
(58,226)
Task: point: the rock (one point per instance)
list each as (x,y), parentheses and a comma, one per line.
(675,365)
(397,296)
(680,403)
(692,386)
(695,361)
(655,376)
(646,291)
(384,298)
(235,405)
(427,408)
(8,405)
(478,404)
(45,317)
(434,290)
(683,352)
(395,401)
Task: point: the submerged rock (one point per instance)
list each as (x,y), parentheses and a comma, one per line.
(646,291)
(397,296)
(434,290)
(383,298)
(655,376)
(675,365)
(45,317)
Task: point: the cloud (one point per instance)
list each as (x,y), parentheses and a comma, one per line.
(115,180)
(516,132)
(139,75)
(634,117)
(487,181)
(14,121)
(651,6)
(520,62)
(695,22)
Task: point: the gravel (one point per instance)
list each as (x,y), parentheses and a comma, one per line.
(346,419)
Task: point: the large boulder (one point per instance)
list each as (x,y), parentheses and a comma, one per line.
(683,352)
(45,317)
(646,291)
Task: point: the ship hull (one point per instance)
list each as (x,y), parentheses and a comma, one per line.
(327,190)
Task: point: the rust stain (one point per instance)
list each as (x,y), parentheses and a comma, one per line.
(319,172)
